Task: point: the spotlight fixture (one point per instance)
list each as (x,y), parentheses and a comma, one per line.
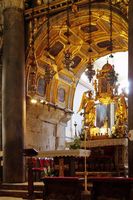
(33,101)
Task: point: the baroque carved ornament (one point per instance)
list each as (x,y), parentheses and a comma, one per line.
(13,3)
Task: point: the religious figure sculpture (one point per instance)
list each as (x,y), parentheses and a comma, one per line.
(121,110)
(105,93)
(121,115)
(88,105)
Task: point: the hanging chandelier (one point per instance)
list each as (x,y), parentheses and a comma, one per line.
(90,72)
(111,30)
(68,62)
(49,70)
(33,63)
(106,83)
(49,73)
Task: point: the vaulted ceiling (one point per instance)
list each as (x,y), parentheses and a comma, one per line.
(80,46)
(79,32)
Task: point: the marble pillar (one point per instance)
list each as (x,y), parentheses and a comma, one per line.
(130,95)
(13,93)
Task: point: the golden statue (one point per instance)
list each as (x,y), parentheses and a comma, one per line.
(121,115)
(121,109)
(88,105)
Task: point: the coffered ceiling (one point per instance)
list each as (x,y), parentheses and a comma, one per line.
(79,32)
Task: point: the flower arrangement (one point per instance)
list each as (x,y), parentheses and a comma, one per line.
(76,143)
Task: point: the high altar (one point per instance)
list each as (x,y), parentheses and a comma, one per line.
(107,138)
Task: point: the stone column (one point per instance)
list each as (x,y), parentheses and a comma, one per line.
(13,92)
(0,97)
(130,95)
(1,49)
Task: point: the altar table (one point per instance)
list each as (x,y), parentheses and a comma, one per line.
(108,155)
(64,160)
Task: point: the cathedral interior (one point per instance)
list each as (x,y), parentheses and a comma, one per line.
(45,46)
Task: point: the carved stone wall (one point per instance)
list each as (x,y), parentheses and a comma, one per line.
(45,128)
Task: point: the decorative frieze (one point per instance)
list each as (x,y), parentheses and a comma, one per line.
(13,3)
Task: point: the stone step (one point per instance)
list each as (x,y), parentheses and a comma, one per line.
(38,187)
(14,193)
(20,190)
(20,193)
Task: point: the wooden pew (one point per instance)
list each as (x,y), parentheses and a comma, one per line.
(111,188)
(62,188)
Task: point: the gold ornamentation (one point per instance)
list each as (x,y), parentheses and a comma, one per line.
(68,62)
(49,73)
(106,84)
(121,116)
(13,3)
(88,105)
(106,92)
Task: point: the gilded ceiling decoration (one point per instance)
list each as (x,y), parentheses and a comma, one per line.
(79,31)
(55,38)
(13,3)
(59,5)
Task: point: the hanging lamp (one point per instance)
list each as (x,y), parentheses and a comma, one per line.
(49,70)
(111,30)
(90,72)
(33,63)
(68,62)
(107,77)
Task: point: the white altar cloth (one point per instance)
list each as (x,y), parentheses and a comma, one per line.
(64,153)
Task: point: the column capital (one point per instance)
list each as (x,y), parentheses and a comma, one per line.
(12,4)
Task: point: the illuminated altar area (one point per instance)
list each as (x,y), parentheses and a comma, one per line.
(105,94)
(107,139)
